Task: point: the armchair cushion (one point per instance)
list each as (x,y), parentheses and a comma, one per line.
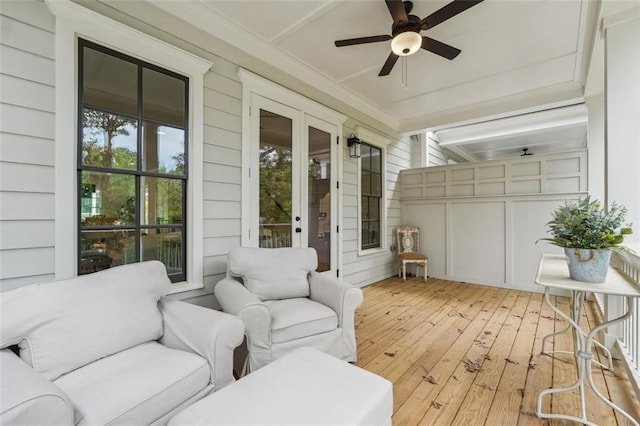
(294,319)
(280,273)
(134,386)
(63,325)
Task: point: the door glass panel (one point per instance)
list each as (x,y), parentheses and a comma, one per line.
(319,199)
(275,161)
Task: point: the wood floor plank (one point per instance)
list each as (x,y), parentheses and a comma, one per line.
(421,381)
(540,377)
(509,393)
(481,394)
(422,342)
(451,396)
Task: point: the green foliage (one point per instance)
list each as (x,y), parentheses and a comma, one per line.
(585,224)
(275,184)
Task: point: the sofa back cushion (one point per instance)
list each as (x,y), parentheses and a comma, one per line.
(270,274)
(63,325)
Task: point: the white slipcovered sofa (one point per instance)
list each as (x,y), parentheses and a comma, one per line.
(286,305)
(108,348)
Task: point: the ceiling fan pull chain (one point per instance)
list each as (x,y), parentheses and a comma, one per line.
(405,83)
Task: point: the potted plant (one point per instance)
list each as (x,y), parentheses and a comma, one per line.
(588,233)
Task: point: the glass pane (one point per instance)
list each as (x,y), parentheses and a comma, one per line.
(365,157)
(162,149)
(163,200)
(107,199)
(376,189)
(364,203)
(319,199)
(365,183)
(163,97)
(374,234)
(106,248)
(374,208)
(165,245)
(376,160)
(109,82)
(275,179)
(108,140)
(365,234)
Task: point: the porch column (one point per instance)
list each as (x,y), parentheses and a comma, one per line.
(622,126)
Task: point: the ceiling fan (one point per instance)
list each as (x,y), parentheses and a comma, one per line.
(405,31)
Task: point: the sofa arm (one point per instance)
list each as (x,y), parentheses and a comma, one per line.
(338,295)
(209,333)
(238,300)
(27,398)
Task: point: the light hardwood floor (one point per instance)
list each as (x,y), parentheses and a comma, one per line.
(424,337)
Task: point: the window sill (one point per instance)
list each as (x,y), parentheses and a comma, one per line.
(183,286)
(372,251)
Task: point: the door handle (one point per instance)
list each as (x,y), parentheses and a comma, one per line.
(298,230)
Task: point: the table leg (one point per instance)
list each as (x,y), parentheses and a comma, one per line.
(586,355)
(584,359)
(576,312)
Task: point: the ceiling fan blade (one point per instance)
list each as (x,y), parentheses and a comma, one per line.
(388,65)
(398,13)
(446,12)
(362,40)
(439,48)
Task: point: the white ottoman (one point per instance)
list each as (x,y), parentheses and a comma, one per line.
(304,387)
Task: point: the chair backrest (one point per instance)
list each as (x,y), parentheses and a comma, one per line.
(273,273)
(408,239)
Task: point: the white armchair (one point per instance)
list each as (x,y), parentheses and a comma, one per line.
(285,304)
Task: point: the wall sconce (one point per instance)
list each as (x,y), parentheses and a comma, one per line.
(354,146)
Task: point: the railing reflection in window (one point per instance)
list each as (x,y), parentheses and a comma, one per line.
(275,235)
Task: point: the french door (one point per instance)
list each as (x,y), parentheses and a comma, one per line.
(293,183)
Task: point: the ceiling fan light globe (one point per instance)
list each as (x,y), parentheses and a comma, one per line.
(406,43)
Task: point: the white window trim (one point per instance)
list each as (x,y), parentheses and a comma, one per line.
(74,21)
(379,142)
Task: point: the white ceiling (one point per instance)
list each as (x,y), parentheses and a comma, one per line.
(517,55)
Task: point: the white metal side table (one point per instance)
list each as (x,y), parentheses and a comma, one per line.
(553,274)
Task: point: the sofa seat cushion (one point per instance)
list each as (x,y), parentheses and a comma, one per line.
(135,386)
(293,319)
(280,273)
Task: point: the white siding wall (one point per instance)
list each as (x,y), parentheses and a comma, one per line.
(26,143)
(222,171)
(361,270)
(435,156)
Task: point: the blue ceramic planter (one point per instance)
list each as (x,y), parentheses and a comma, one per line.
(588,265)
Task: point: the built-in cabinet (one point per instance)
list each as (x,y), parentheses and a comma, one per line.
(480,221)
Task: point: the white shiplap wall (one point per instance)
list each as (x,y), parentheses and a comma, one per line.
(26,143)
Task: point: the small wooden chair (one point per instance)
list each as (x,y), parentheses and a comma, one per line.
(409,251)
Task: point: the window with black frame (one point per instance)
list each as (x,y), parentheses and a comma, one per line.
(370,195)
(132,162)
